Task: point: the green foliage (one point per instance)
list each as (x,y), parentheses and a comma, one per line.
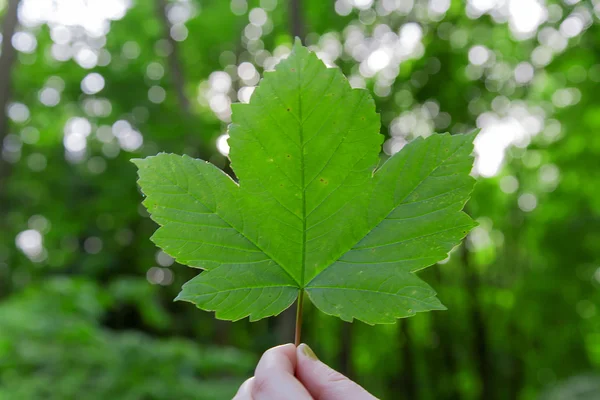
(311,213)
(522,291)
(51,347)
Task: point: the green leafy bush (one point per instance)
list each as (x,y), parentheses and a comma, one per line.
(52,347)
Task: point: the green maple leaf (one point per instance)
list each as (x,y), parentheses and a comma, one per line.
(312,212)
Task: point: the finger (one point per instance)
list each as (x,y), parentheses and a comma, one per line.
(282,358)
(245,391)
(274,376)
(324,383)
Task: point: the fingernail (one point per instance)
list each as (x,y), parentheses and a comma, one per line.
(308,351)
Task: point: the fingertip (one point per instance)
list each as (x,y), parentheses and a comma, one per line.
(324,382)
(286,347)
(283,348)
(275,378)
(247,385)
(305,351)
(281,357)
(245,390)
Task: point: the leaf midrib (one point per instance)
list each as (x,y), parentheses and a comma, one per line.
(302,177)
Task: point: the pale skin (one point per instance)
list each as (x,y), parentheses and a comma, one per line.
(295,373)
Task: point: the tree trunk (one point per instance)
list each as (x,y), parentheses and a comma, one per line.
(285,325)
(346,351)
(444,325)
(296,18)
(480,345)
(405,382)
(193,140)
(7,61)
(175,69)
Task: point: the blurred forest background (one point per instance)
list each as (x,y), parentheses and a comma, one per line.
(86,306)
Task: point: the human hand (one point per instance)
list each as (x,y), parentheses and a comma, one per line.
(289,373)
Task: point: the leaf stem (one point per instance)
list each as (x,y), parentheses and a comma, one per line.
(299,305)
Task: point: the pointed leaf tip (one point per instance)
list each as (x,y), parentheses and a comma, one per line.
(473,134)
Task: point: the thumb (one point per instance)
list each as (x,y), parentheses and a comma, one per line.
(324,383)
